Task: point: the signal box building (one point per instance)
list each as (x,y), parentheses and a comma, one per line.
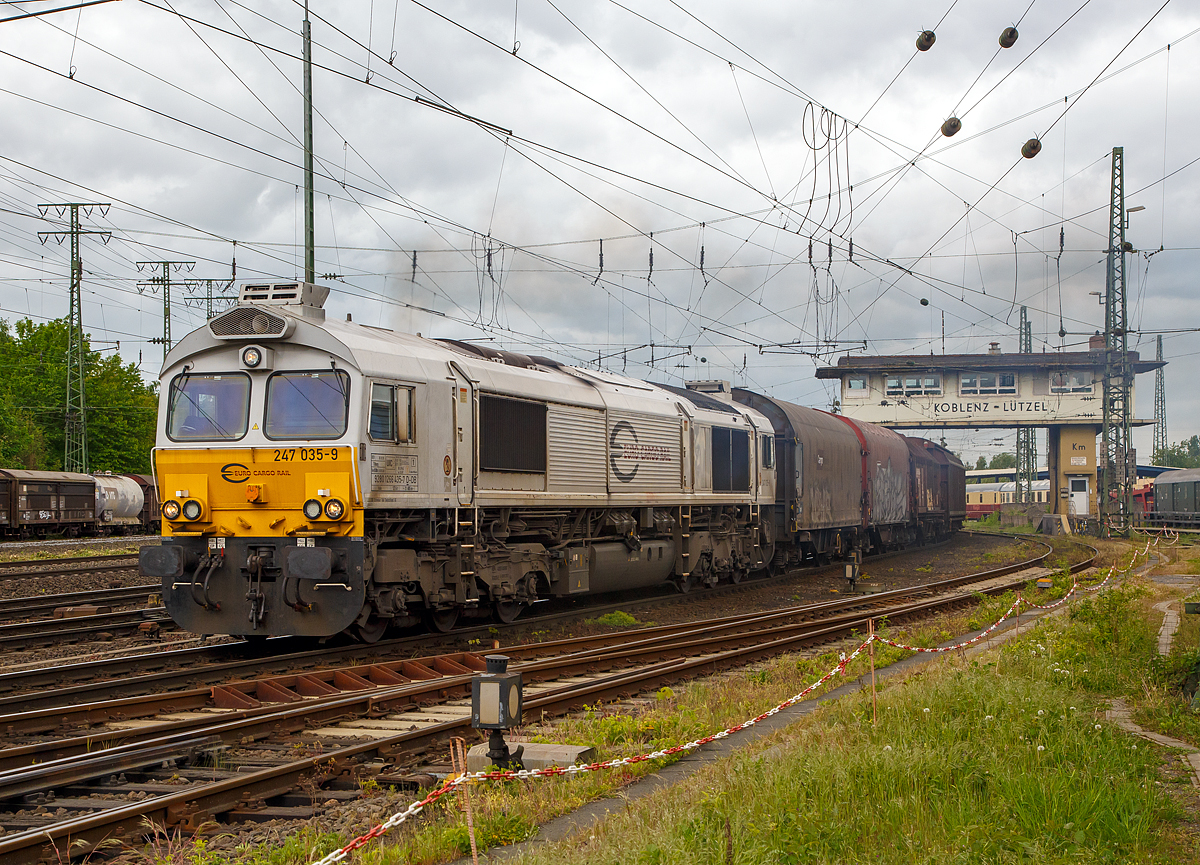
(1061,391)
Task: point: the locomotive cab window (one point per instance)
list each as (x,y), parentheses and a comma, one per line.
(391,413)
(208,407)
(768,451)
(307,405)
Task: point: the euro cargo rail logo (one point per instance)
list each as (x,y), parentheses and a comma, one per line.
(634,451)
(235,473)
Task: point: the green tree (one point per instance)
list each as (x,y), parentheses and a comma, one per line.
(1183,455)
(22,444)
(121,408)
(981,464)
(1003,461)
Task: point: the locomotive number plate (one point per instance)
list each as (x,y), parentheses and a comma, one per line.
(394,473)
(315,455)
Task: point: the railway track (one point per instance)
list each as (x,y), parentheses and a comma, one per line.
(373,718)
(173,669)
(18,608)
(19,570)
(16,636)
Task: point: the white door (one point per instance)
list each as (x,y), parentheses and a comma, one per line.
(1079,496)
(459,462)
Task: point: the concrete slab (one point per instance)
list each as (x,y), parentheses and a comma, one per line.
(537,755)
(1166,634)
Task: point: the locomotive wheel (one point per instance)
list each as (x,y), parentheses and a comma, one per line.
(507,611)
(443,620)
(370,631)
(685,584)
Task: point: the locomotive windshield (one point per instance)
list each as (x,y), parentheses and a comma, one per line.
(207,406)
(307,405)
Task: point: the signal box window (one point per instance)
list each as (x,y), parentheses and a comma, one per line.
(914,385)
(391,413)
(307,405)
(208,407)
(988,383)
(856,385)
(1075,381)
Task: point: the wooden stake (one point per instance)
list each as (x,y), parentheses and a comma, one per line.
(458,762)
(871,655)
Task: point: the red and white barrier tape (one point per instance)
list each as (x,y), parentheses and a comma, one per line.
(452,784)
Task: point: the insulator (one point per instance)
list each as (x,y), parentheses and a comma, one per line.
(925,40)
(951,126)
(1009,37)
(1031,148)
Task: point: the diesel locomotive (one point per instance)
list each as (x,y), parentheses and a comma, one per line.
(323,476)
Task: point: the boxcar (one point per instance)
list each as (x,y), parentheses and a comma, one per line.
(43,502)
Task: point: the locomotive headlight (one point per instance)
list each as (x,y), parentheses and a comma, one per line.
(192,509)
(312,509)
(170,509)
(334,509)
(252,356)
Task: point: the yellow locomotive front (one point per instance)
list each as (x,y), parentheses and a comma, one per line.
(262,505)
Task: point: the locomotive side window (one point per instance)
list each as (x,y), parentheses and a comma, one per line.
(391,413)
(768,451)
(730,460)
(307,405)
(512,435)
(208,406)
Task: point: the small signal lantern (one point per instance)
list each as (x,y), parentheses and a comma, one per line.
(496,700)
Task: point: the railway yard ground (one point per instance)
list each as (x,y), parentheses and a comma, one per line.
(1003,753)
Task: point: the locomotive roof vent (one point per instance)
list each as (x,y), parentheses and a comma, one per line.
(713,387)
(304,298)
(247,322)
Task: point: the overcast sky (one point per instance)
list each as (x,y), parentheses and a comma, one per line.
(744,133)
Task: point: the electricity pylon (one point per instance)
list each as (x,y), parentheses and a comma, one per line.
(1118,462)
(1160,404)
(163,281)
(75,449)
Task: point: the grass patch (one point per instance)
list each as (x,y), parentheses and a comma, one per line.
(118,548)
(615,619)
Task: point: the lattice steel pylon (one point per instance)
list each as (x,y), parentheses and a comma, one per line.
(75,449)
(163,282)
(1026,436)
(1160,405)
(1114,495)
